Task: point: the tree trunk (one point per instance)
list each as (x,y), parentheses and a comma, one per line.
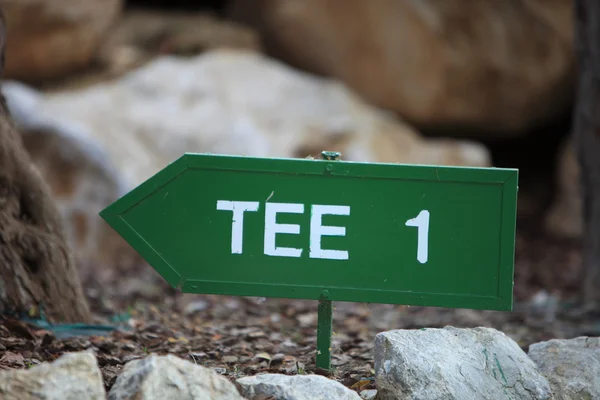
(36,266)
(587,139)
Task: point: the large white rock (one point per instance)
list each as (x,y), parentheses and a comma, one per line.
(95,143)
(170,377)
(73,376)
(295,387)
(240,102)
(454,364)
(572,366)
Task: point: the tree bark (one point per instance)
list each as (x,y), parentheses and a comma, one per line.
(36,265)
(587,140)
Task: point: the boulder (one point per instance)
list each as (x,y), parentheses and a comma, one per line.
(170,377)
(454,364)
(112,136)
(73,376)
(370,394)
(49,39)
(295,387)
(493,68)
(572,366)
(240,102)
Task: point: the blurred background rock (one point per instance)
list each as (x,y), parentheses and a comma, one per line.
(108,92)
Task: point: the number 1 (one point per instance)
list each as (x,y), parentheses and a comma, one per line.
(421,222)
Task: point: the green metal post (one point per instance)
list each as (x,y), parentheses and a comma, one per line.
(325,317)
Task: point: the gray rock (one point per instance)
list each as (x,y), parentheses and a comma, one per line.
(368,394)
(571,366)
(170,377)
(452,363)
(295,387)
(73,376)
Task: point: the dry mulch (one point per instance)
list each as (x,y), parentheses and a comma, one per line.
(238,336)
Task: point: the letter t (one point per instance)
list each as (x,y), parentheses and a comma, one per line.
(237,224)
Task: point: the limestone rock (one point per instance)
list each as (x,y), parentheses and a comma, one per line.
(295,387)
(51,38)
(170,377)
(370,394)
(239,102)
(454,364)
(73,376)
(564,217)
(494,67)
(572,366)
(115,135)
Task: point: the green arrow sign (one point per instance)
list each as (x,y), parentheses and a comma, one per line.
(327,230)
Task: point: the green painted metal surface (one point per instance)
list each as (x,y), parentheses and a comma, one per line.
(293,228)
